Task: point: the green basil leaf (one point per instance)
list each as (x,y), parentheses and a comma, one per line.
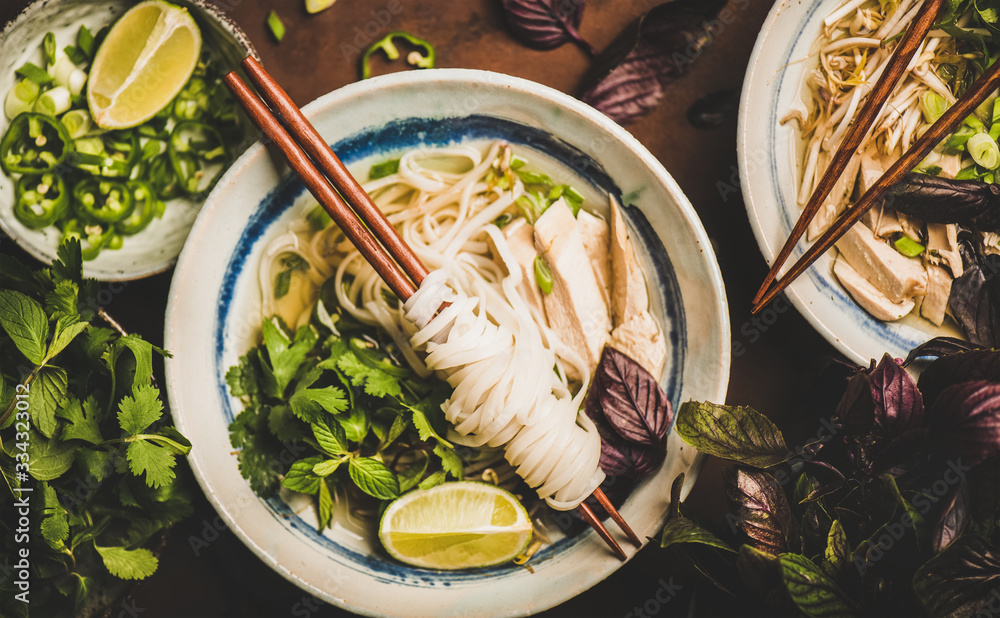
(837,551)
(372,477)
(814,593)
(683,530)
(737,433)
(25,322)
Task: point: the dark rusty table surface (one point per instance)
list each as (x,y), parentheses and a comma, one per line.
(320,53)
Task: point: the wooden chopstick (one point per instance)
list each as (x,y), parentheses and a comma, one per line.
(974,95)
(353,223)
(894,69)
(330,164)
(320,187)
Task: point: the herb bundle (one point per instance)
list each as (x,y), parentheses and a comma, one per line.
(333,401)
(83,436)
(893,510)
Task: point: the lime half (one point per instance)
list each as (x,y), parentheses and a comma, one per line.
(145,60)
(459,525)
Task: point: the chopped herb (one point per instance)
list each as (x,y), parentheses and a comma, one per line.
(275,25)
(543,275)
(908,247)
(290,262)
(34,73)
(381,170)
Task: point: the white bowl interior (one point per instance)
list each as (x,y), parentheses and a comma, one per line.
(769,156)
(214,314)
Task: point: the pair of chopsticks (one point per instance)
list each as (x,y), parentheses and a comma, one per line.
(326,177)
(946,124)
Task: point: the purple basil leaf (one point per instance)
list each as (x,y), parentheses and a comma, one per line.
(630,400)
(961,580)
(975,298)
(938,347)
(856,410)
(761,507)
(622,458)
(898,404)
(547,24)
(955,368)
(966,418)
(825,477)
(984,483)
(902,453)
(632,74)
(953,519)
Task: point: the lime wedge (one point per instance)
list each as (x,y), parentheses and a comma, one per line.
(458,525)
(315,6)
(145,60)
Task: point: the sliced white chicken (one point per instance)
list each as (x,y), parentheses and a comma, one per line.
(942,247)
(936,298)
(867,295)
(636,332)
(872,166)
(520,236)
(898,277)
(575,308)
(882,221)
(989,243)
(596,238)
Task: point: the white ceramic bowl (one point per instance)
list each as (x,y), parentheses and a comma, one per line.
(769,162)
(214,304)
(154,249)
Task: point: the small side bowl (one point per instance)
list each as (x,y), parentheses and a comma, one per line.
(156,248)
(213,317)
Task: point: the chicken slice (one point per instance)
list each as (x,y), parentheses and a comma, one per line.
(938,291)
(942,245)
(595,233)
(575,308)
(898,277)
(867,295)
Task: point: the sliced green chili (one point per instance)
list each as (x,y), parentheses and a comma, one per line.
(33,144)
(144,209)
(41,200)
(423,60)
(191,145)
(103,200)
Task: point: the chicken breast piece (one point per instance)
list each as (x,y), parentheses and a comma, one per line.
(867,295)
(596,242)
(938,290)
(942,245)
(575,308)
(641,340)
(897,277)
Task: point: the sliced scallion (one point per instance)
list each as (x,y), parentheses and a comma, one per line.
(543,275)
(984,150)
(77,122)
(55,101)
(34,73)
(933,106)
(49,48)
(908,247)
(275,25)
(21,98)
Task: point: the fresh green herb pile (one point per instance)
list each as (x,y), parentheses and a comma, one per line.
(101,186)
(330,406)
(82,427)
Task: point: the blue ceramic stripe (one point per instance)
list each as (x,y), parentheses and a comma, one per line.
(399,136)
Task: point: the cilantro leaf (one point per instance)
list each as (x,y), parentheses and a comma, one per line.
(82,420)
(156,461)
(46,394)
(284,425)
(450,461)
(138,412)
(61,301)
(242,378)
(301,478)
(25,322)
(310,403)
(94,464)
(128,563)
(285,355)
(69,262)
(55,523)
(374,478)
(378,383)
(258,451)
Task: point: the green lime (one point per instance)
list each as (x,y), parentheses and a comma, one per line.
(458,525)
(145,60)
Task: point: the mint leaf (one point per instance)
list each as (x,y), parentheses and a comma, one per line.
(378,383)
(409,477)
(138,412)
(330,437)
(399,425)
(301,478)
(49,459)
(433,480)
(25,322)
(327,467)
(156,461)
(66,330)
(46,394)
(450,461)
(325,506)
(128,563)
(374,478)
(55,524)
(285,355)
(82,420)
(355,424)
